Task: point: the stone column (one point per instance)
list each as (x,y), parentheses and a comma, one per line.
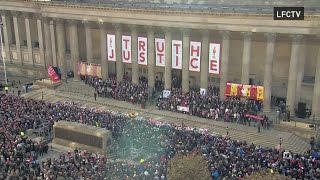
(293,72)
(151,57)
(224,62)
(17,37)
(118,52)
(29,40)
(6,35)
(302,60)
(104,61)
(61,48)
(168,64)
(47,38)
(204,66)
(88,41)
(53,44)
(74,46)
(246,57)
(134,48)
(316,91)
(40,39)
(267,83)
(185,60)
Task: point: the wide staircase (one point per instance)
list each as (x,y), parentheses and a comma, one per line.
(82,94)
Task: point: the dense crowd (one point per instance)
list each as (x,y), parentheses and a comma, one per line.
(208,105)
(124,90)
(227,159)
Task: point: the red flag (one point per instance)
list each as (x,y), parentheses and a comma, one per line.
(227,89)
(253,92)
(239,90)
(53,75)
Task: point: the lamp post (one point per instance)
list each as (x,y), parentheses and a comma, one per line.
(227,129)
(280,142)
(2,53)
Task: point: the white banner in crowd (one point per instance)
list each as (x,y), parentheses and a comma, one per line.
(166,93)
(214,58)
(203,91)
(195,54)
(111,47)
(176,54)
(126,49)
(142,50)
(182,108)
(160,52)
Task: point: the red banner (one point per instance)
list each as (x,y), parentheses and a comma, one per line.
(228,89)
(89,69)
(53,75)
(254,117)
(241,90)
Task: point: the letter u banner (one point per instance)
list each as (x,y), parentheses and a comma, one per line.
(247,91)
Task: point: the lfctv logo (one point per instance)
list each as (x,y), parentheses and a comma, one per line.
(288,13)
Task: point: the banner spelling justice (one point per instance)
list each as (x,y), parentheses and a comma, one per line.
(195,54)
(126,49)
(214,58)
(111,47)
(160,52)
(176,54)
(142,50)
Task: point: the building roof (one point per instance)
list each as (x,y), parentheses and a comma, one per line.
(205,5)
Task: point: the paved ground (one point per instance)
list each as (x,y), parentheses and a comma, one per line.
(82,94)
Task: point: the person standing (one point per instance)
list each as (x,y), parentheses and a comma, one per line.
(42,95)
(259,127)
(95,96)
(19,92)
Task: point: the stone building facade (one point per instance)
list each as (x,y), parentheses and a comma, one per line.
(283,56)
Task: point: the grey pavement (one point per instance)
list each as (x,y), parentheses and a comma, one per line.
(82,94)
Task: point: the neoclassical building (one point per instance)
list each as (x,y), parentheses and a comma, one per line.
(282,56)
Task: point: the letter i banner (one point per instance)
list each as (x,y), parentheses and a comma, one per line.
(53,74)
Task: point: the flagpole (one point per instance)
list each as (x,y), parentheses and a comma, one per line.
(2,55)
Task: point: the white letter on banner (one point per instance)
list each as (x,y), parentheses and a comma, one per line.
(214,58)
(142,50)
(111,47)
(126,49)
(176,54)
(160,52)
(195,54)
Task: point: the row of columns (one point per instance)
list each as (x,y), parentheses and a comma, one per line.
(51,55)
(7,37)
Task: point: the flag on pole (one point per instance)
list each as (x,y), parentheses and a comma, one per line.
(53,74)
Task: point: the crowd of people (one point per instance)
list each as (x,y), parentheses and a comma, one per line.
(227,158)
(205,105)
(124,90)
(208,105)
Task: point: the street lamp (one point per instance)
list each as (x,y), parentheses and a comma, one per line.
(280,142)
(2,53)
(227,129)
